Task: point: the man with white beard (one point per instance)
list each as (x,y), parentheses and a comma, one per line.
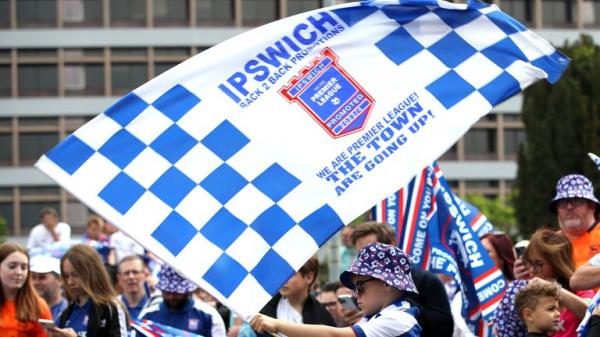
(575,206)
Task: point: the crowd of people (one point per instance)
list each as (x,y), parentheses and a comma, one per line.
(99,286)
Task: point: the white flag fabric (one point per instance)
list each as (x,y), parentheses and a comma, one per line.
(236,165)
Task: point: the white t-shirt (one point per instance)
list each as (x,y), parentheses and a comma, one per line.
(125,246)
(286,312)
(40,237)
(395,320)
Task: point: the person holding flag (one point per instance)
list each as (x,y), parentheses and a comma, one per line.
(380,280)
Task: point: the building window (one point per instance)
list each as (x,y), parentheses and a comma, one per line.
(480,144)
(4,13)
(451,154)
(84,79)
(30,213)
(6,149)
(258,12)
(518,9)
(214,12)
(82,13)
(38,80)
(557,13)
(161,67)
(128,12)
(128,76)
(36,13)
(300,6)
(5,80)
(171,13)
(33,145)
(513,138)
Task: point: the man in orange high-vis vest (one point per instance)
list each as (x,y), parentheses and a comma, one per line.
(575,206)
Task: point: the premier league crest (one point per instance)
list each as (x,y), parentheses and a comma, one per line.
(330,95)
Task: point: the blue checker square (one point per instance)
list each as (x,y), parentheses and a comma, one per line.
(554,65)
(272,224)
(225,140)
(122,192)
(452,50)
(126,109)
(174,233)
(399,46)
(404,14)
(450,89)
(322,224)
(122,148)
(275,182)
(225,275)
(172,186)
(504,52)
(223,183)
(223,229)
(506,23)
(450,17)
(500,89)
(272,271)
(70,154)
(176,102)
(173,143)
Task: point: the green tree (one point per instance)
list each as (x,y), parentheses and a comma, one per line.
(499,212)
(562,123)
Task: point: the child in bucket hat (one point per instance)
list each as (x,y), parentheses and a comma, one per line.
(380,279)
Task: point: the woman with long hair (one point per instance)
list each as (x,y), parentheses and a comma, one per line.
(93,307)
(20,306)
(500,248)
(549,256)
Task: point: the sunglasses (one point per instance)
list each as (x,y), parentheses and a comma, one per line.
(359,287)
(575,202)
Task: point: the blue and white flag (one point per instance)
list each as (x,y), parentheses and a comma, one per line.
(473,216)
(152,329)
(236,165)
(440,233)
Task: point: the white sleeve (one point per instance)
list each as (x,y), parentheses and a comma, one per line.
(595,260)
(31,241)
(392,324)
(218,325)
(65,233)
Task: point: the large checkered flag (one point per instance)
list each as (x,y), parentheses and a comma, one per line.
(238,164)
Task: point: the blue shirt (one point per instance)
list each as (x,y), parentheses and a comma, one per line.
(58,308)
(396,320)
(78,320)
(134,312)
(189,318)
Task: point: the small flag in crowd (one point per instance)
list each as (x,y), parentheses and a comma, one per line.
(441,233)
(152,329)
(236,165)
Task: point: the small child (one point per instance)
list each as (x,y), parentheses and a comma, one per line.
(537,306)
(379,279)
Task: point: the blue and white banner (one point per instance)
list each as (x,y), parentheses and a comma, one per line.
(440,233)
(152,329)
(236,165)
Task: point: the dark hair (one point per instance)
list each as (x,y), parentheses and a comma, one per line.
(27,301)
(384,233)
(331,286)
(504,249)
(311,266)
(529,296)
(48,210)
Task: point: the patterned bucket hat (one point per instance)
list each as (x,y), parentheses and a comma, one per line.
(573,186)
(383,262)
(172,282)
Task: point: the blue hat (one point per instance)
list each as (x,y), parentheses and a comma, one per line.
(383,262)
(573,186)
(172,282)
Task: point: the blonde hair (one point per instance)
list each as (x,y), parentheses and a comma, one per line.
(557,250)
